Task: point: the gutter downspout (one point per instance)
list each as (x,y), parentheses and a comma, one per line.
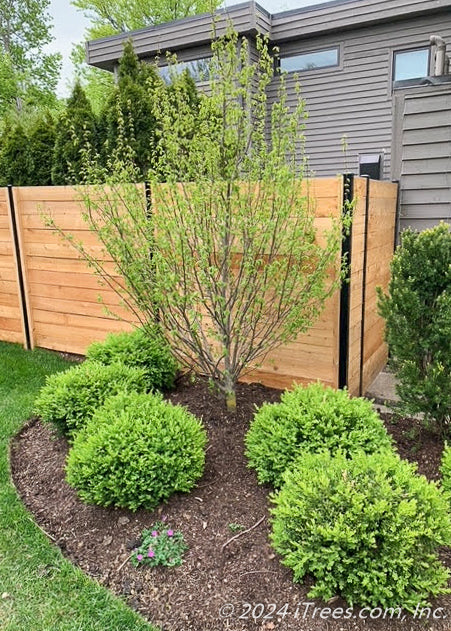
(441,60)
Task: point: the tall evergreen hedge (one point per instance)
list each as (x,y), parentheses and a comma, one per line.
(76,126)
(15,161)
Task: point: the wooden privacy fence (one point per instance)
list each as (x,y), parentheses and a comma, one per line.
(49,297)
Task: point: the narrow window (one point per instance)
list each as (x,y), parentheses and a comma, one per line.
(411,64)
(314,60)
(199,69)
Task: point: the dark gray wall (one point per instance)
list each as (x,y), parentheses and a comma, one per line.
(356,99)
(249,17)
(348,14)
(422,136)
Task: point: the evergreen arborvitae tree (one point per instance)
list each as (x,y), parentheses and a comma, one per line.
(130,110)
(128,116)
(41,149)
(76,128)
(15,164)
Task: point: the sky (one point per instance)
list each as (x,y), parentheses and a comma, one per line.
(69,25)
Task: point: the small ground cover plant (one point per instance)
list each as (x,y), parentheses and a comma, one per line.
(69,399)
(366,528)
(160,545)
(136,451)
(417,312)
(311,418)
(144,348)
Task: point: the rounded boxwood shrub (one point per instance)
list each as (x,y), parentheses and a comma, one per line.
(311,418)
(366,528)
(446,470)
(69,399)
(142,348)
(136,451)
(417,312)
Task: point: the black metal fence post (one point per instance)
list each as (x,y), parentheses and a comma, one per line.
(149,211)
(343,357)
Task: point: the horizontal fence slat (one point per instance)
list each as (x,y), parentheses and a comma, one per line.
(76,321)
(77,307)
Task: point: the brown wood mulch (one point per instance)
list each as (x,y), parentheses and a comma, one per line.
(238,586)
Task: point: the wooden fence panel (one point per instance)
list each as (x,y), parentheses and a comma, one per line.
(63,293)
(356,280)
(382,203)
(373,240)
(11,318)
(313,355)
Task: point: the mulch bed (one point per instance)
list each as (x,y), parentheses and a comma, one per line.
(246,570)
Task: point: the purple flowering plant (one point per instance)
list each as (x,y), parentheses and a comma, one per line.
(159,545)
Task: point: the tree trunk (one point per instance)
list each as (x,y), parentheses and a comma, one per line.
(231,401)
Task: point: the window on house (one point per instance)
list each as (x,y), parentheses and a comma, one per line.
(310,61)
(411,64)
(199,69)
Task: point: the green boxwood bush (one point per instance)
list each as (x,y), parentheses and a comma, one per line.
(417,312)
(143,348)
(69,399)
(366,528)
(446,470)
(136,451)
(310,418)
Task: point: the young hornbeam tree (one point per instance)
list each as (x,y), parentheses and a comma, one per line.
(238,268)
(227,258)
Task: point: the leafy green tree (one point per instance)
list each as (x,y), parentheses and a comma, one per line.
(98,83)
(128,15)
(41,148)
(76,126)
(9,84)
(417,312)
(27,74)
(228,260)
(110,17)
(15,162)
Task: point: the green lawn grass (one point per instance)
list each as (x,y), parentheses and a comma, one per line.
(39,589)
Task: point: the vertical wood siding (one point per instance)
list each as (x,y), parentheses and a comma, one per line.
(424,137)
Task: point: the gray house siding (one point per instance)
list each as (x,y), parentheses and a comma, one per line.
(355,99)
(423,137)
(190,33)
(340,16)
